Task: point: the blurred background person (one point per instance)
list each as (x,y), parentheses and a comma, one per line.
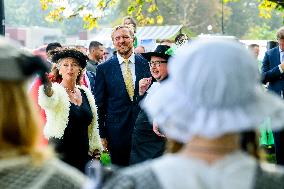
(207,109)
(106,55)
(271,44)
(147,141)
(140,49)
(273,77)
(254,49)
(70,107)
(49,49)
(181,39)
(266,139)
(24,163)
(96,55)
(129,21)
(167,42)
(40,51)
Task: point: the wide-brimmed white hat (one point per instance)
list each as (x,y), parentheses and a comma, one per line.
(213,89)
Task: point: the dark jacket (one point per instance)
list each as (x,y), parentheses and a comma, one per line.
(92,77)
(271,72)
(116,112)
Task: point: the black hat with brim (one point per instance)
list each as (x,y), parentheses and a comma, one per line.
(160,51)
(70,53)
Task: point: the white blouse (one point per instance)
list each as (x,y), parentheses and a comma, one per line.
(235,171)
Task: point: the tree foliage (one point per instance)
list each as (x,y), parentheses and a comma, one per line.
(266,7)
(93,10)
(251,18)
(194,15)
(263,32)
(30,14)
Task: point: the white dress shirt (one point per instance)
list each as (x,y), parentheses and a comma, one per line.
(281,59)
(131,65)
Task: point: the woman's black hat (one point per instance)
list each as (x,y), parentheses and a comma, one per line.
(160,51)
(70,53)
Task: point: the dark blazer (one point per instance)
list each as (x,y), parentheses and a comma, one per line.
(116,112)
(91,76)
(145,143)
(271,72)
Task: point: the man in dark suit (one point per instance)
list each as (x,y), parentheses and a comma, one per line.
(272,74)
(147,141)
(117,97)
(89,80)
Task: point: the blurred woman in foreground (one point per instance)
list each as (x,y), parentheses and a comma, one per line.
(23,164)
(212,95)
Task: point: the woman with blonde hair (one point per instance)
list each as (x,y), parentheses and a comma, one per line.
(71,114)
(24,163)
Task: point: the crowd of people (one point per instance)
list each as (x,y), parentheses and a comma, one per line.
(185,115)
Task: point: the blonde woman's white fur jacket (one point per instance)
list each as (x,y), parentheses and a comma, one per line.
(57,112)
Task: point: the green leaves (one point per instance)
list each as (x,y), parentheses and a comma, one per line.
(266,7)
(89,10)
(145,11)
(263,32)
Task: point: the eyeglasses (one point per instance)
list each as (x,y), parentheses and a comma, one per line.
(156,63)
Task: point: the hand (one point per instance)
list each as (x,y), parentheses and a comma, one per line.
(156,130)
(47,86)
(144,85)
(96,154)
(282,66)
(105,144)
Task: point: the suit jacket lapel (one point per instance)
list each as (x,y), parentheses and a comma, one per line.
(277,56)
(138,72)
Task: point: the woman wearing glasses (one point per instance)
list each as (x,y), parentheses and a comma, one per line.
(147,141)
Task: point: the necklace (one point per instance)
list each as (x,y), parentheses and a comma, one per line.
(73,92)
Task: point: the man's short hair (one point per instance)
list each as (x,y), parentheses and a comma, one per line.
(179,36)
(131,20)
(166,40)
(252,46)
(280,33)
(94,44)
(52,46)
(122,27)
